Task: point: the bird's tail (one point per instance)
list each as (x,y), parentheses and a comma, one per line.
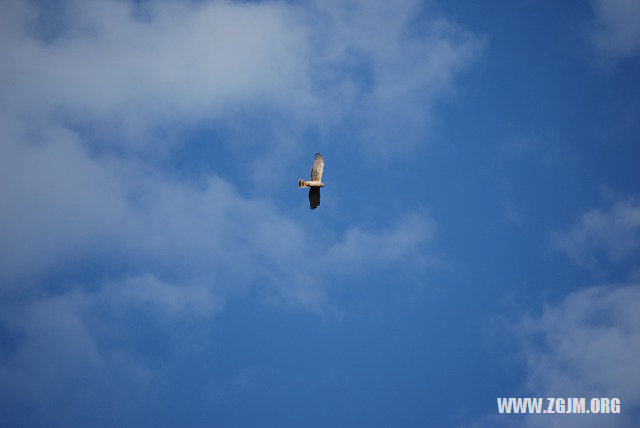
(302,183)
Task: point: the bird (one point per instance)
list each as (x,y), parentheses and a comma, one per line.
(316,181)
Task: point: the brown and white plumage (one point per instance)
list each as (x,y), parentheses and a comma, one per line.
(317,168)
(316,181)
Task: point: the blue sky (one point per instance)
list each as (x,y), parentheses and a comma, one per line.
(478,234)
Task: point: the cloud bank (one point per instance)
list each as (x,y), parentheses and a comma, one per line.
(161,65)
(98,235)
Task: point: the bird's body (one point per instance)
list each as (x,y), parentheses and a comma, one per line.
(316,181)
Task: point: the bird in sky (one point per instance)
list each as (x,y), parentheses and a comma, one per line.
(316,181)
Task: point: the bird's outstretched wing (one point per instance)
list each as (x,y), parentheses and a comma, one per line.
(317,168)
(314,197)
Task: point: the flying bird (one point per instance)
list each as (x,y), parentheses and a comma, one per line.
(316,182)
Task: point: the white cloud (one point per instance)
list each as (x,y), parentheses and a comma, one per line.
(177,253)
(155,247)
(184,62)
(586,346)
(175,64)
(65,207)
(611,235)
(359,248)
(147,292)
(91,235)
(107,63)
(616,33)
(63,361)
(387,70)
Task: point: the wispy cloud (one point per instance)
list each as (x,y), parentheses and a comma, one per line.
(64,206)
(111,67)
(172,64)
(95,233)
(163,65)
(176,261)
(585,346)
(616,33)
(63,357)
(386,69)
(92,243)
(610,236)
